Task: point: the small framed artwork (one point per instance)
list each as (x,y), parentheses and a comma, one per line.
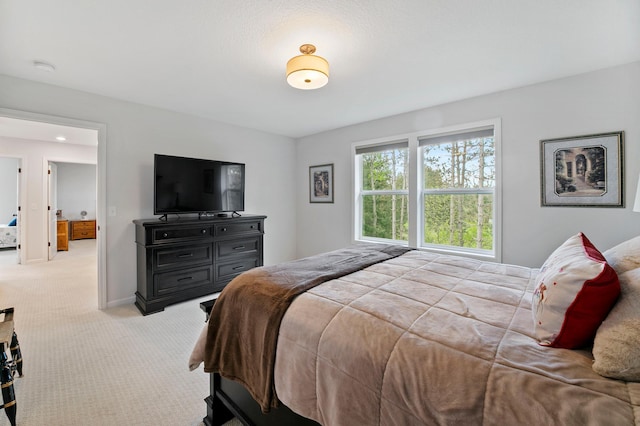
(321,184)
(582,171)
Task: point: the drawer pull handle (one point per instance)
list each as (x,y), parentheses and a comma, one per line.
(238,267)
(185,279)
(186,255)
(224,229)
(252,226)
(238,248)
(204,231)
(165,235)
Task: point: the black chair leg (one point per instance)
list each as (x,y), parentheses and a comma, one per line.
(16,353)
(6,382)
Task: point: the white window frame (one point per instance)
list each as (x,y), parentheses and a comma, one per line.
(416,193)
(359,192)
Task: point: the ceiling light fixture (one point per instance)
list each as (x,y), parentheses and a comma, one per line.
(307,71)
(61,138)
(44,66)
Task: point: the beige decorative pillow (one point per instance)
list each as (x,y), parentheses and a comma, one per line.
(625,256)
(616,348)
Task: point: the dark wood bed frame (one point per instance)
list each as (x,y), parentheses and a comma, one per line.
(229,399)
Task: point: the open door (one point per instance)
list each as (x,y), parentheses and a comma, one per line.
(52,181)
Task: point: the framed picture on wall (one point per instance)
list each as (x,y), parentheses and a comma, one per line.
(321,184)
(582,171)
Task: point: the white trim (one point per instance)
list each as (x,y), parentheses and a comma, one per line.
(101,184)
(126,301)
(497,146)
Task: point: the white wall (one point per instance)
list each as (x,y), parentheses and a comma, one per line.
(603,101)
(77,190)
(8,188)
(35,156)
(134,133)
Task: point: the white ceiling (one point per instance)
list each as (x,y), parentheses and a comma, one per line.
(34,130)
(225,59)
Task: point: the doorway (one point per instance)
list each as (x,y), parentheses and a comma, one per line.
(10,222)
(35,246)
(72,205)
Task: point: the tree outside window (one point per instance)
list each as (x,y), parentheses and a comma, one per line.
(459,178)
(384,195)
(451,189)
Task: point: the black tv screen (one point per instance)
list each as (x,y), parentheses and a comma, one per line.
(192,185)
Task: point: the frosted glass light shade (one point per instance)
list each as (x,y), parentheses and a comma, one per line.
(307,71)
(636,205)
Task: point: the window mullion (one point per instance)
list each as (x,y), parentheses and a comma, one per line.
(384,192)
(414,211)
(455,191)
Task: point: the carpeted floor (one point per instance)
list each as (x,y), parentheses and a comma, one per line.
(83,366)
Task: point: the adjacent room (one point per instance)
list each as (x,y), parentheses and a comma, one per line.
(415,212)
(9,209)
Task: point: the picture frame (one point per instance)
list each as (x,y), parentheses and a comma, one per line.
(583,171)
(321,183)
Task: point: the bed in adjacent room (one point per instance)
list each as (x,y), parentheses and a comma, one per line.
(8,235)
(404,337)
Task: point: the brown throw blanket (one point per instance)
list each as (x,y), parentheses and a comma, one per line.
(245,321)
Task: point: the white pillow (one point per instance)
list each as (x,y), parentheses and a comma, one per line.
(625,256)
(575,289)
(616,348)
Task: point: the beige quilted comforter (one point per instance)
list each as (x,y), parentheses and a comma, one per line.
(434,339)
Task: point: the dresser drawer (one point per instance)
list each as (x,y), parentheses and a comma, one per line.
(237,246)
(78,235)
(225,272)
(169,235)
(83,229)
(224,229)
(182,280)
(84,226)
(182,256)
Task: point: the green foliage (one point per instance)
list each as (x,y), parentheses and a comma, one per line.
(456,219)
(386,170)
(452,215)
(385,216)
(378,219)
(452,220)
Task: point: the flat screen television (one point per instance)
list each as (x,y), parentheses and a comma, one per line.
(193,185)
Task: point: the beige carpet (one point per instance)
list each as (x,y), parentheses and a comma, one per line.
(83,366)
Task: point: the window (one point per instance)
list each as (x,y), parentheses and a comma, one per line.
(457,192)
(384,193)
(431,190)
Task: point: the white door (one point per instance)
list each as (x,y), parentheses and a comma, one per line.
(53,206)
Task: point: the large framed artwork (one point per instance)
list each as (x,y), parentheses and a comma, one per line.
(583,171)
(321,184)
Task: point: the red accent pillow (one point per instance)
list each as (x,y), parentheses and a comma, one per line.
(575,290)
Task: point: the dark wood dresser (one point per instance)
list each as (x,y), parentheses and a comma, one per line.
(181,259)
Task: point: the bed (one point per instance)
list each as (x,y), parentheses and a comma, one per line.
(8,236)
(414,338)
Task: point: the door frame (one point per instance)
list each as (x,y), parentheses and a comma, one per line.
(101,207)
(52,195)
